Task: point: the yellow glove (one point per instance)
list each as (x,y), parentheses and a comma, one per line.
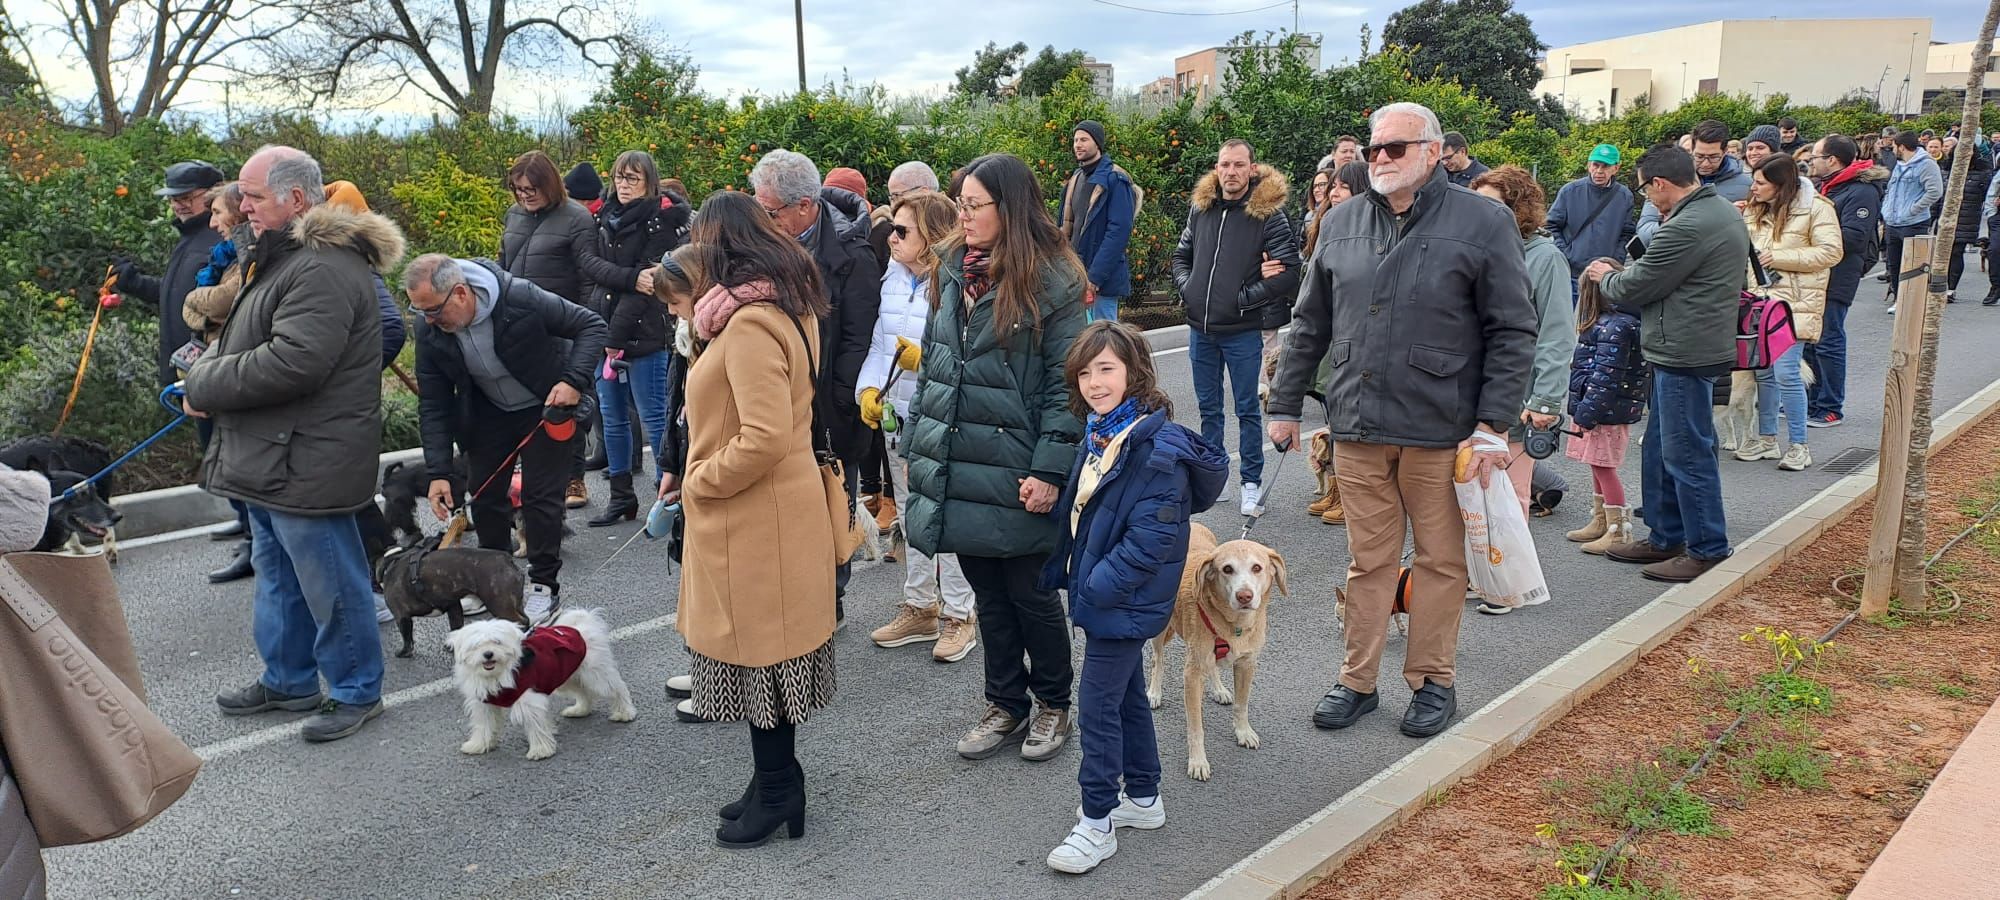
(871,407)
(908,354)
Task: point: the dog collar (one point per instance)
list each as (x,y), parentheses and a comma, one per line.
(1221,646)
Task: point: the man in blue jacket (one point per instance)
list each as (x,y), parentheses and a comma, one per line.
(1915,184)
(1096,211)
(1592,216)
(1713,167)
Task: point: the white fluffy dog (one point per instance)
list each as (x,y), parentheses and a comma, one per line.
(507,675)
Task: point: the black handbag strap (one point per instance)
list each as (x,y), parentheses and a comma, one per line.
(1594,213)
(822,433)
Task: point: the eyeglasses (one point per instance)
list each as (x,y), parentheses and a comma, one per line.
(898,195)
(1395,149)
(628,178)
(1708,157)
(773,213)
(970,207)
(430,313)
(902,232)
(523,190)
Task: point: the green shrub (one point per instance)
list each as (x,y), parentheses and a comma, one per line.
(451,210)
(118,405)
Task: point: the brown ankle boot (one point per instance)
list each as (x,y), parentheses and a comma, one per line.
(1593,529)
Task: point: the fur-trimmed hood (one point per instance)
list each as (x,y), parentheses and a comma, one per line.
(372,235)
(1268,192)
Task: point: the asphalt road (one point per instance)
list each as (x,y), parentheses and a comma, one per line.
(628,810)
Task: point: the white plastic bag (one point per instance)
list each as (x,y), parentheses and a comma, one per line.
(1499,550)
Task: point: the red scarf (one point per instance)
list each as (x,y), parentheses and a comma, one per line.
(1843,176)
(978,277)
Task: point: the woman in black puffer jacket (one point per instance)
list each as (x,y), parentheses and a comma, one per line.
(1969,213)
(552,241)
(638,225)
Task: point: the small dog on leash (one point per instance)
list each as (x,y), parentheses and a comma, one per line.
(423,580)
(406,485)
(505,675)
(1399,613)
(71,460)
(1224,589)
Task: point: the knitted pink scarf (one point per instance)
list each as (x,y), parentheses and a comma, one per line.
(713,310)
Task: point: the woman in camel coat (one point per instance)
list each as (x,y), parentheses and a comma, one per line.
(757,594)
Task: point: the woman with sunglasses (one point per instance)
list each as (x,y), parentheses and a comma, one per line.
(919,222)
(550,240)
(638,224)
(991,439)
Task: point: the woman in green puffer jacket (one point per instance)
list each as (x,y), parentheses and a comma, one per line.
(991,439)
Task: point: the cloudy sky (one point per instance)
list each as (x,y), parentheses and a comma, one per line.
(745,46)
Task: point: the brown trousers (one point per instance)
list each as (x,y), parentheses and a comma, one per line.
(1383,487)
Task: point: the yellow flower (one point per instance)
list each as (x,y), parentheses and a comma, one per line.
(1545,831)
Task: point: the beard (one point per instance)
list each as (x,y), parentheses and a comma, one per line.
(1396,181)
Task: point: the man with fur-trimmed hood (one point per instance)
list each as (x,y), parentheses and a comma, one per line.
(1236,266)
(293,383)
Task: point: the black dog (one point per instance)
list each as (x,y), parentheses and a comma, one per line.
(423,580)
(66,461)
(406,485)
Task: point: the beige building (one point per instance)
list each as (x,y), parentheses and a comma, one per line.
(1204,71)
(1812,61)
(1950,66)
(1100,76)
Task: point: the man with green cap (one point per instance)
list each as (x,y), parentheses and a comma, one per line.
(1592,216)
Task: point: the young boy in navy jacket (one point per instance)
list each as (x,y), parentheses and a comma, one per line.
(1124,514)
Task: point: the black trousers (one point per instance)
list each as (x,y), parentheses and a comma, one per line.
(875,475)
(1016,618)
(545,472)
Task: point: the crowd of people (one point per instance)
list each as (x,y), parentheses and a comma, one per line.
(955,356)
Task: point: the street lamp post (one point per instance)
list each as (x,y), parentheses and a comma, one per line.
(799,14)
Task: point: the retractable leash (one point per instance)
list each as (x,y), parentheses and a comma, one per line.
(1250,521)
(170,397)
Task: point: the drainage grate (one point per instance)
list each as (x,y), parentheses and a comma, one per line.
(1849,461)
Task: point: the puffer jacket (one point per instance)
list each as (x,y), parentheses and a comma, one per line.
(1122,563)
(854,286)
(632,241)
(1609,378)
(294,380)
(1804,254)
(554,247)
(1977,179)
(906,307)
(1685,289)
(1218,258)
(1431,331)
(540,341)
(992,409)
(1856,192)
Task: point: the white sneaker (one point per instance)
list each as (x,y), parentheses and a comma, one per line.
(1253,499)
(1132,815)
(471,606)
(1083,849)
(1797,458)
(382,613)
(539,604)
(1758,448)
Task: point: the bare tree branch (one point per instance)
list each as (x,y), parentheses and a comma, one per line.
(141,54)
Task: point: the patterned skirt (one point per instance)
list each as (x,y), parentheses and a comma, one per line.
(764,696)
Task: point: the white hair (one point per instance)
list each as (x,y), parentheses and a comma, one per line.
(1431,132)
(914,174)
(789,174)
(293,169)
(438,270)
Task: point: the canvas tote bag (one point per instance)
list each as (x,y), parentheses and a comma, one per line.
(92,762)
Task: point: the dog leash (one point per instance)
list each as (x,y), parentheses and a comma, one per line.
(1250,521)
(168,395)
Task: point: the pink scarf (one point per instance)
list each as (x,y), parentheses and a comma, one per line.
(713,310)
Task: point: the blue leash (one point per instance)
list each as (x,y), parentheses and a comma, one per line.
(170,398)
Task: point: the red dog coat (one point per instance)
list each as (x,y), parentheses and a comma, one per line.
(549,656)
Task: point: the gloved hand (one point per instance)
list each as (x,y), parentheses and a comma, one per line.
(871,407)
(128,274)
(908,354)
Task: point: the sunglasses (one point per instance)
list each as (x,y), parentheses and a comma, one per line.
(902,232)
(1395,149)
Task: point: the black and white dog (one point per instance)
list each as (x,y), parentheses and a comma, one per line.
(66,462)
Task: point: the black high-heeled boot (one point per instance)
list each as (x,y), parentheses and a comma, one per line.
(623,505)
(734,810)
(780,801)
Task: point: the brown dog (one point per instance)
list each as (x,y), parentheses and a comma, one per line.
(1220,614)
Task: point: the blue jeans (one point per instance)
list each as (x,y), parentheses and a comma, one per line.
(1103,307)
(1242,354)
(645,386)
(314,616)
(1828,359)
(1680,482)
(1780,383)
(1116,722)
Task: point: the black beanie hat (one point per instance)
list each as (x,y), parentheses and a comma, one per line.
(582,183)
(1096,132)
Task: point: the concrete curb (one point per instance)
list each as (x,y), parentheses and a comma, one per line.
(1307,853)
(187,506)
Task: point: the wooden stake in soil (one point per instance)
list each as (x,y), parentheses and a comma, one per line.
(1899,397)
(1911,583)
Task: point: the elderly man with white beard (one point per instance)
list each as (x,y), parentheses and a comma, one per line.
(1421,297)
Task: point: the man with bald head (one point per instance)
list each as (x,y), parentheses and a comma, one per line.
(293,386)
(1421,294)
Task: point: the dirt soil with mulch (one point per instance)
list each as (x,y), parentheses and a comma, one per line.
(1904,695)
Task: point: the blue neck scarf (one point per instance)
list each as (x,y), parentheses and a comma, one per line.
(1099,430)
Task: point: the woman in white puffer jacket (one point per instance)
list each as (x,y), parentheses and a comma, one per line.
(920,221)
